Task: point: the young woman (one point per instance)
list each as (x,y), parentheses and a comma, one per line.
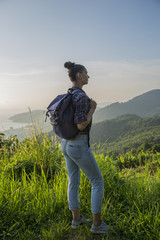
(78,154)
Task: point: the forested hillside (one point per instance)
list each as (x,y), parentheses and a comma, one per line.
(126,132)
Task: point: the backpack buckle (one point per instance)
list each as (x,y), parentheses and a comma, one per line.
(70,90)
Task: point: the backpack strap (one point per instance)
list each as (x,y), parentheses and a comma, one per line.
(47,115)
(71,90)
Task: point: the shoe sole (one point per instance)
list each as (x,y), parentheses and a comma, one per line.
(76,227)
(99,232)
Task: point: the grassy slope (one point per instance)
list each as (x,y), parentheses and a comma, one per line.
(33,195)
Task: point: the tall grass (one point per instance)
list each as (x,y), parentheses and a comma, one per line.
(33,195)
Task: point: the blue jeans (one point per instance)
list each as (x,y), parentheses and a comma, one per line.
(79,156)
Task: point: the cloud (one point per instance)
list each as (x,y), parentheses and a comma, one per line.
(108,82)
(124,69)
(120,81)
(29,72)
(98,70)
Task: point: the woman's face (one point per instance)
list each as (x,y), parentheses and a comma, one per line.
(84,77)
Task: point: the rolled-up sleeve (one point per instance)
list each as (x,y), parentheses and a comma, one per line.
(81,109)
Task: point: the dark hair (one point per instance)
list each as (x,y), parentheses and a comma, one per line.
(73,69)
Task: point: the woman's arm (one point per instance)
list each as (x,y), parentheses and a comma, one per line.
(83,125)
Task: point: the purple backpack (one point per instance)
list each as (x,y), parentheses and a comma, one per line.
(61,113)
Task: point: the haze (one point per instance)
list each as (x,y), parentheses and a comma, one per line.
(117,41)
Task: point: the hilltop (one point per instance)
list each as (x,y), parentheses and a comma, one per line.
(145,105)
(33,199)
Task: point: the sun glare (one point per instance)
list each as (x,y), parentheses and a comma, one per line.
(3,102)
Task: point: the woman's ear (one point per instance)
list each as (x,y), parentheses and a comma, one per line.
(78,75)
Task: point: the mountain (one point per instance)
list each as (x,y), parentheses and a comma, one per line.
(28,117)
(126,132)
(103,104)
(145,105)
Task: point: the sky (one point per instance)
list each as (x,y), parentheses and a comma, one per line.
(118,41)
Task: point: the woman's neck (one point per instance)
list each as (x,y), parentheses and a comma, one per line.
(77,84)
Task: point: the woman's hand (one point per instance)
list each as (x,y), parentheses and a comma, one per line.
(83,125)
(93,104)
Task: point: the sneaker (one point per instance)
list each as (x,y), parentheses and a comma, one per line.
(76,224)
(101,229)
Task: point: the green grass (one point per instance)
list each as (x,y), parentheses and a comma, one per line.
(33,194)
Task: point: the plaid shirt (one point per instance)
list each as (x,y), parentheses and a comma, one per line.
(81,103)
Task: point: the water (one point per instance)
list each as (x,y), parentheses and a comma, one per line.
(7,124)
(21,130)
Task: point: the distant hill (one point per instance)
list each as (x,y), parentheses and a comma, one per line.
(28,117)
(145,105)
(37,117)
(103,104)
(126,132)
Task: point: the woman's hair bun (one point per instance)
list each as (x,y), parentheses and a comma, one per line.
(69,65)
